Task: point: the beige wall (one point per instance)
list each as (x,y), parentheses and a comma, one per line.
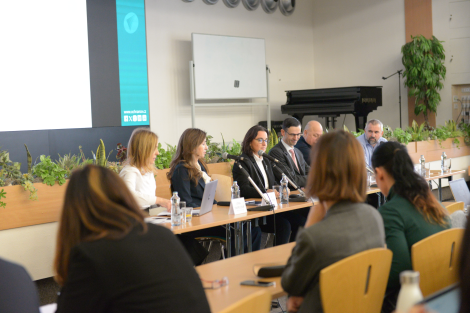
(289,54)
(357,43)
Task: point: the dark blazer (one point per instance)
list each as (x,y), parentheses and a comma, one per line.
(346,229)
(187,190)
(148,272)
(287,165)
(249,164)
(18,293)
(305,148)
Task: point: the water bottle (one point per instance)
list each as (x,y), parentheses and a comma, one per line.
(443,161)
(410,294)
(175,210)
(284,190)
(235,190)
(422,161)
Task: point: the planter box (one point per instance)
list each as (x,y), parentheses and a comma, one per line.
(20,211)
(432,150)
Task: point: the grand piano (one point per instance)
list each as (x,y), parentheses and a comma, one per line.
(331,102)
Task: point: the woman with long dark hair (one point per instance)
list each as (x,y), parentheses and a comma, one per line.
(261,171)
(410,214)
(109,260)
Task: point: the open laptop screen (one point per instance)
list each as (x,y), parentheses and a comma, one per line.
(446,300)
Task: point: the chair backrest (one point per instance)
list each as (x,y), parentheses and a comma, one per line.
(223,192)
(460,190)
(163,184)
(258,302)
(356,283)
(456,206)
(436,259)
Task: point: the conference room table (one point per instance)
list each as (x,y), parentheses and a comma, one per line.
(438,174)
(225,296)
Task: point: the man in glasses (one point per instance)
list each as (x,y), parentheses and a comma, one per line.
(292,161)
(312,132)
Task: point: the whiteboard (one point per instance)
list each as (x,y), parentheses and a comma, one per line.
(228,67)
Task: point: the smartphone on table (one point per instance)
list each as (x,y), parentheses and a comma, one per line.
(258,283)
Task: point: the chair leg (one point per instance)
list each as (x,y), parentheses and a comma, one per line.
(267,240)
(222,251)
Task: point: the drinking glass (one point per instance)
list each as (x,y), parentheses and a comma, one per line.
(278,189)
(188,212)
(182,208)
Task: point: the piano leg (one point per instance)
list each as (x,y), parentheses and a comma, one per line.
(361,122)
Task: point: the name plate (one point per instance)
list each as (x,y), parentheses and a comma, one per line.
(272,197)
(237,206)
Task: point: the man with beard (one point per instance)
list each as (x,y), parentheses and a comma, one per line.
(371,139)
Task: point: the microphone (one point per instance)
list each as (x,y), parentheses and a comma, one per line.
(280,172)
(267,156)
(226,156)
(263,196)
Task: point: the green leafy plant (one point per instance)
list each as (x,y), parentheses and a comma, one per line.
(234,149)
(357,134)
(100,157)
(418,132)
(121,155)
(424,72)
(164,157)
(10,174)
(49,171)
(213,150)
(2,195)
(273,140)
(465,129)
(69,163)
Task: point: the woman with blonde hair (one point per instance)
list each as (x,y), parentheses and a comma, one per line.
(410,214)
(109,260)
(139,170)
(338,226)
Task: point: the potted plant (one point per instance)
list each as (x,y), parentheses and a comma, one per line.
(424,72)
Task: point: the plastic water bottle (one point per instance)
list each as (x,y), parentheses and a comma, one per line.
(410,294)
(443,161)
(175,210)
(422,161)
(284,190)
(235,190)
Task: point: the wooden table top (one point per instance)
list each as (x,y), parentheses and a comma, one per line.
(436,174)
(233,292)
(219,216)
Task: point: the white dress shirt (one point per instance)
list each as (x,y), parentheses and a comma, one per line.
(141,186)
(259,162)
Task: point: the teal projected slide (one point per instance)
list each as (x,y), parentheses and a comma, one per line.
(132,50)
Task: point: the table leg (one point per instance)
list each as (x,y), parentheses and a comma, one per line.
(241,244)
(248,235)
(237,237)
(439,190)
(228,237)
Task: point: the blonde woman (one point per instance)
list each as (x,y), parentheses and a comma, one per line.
(139,170)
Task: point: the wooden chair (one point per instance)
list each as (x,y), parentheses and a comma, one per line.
(455,206)
(436,258)
(223,192)
(356,283)
(258,302)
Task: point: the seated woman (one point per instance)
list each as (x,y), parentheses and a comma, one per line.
(410,214)
(188,176)
(340,225)
(109,260)
(139,170)
(261,171)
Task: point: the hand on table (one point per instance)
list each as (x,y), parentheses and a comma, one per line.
(293,304)
(164,203)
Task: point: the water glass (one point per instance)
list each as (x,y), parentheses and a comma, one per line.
(277,190)
(428,169)
(183,215)
(188,212)
(447,165)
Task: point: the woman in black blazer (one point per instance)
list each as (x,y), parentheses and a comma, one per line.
(261,171)
(109,260)
(188,176)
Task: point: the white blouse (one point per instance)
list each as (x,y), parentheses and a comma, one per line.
(259,162)
(141,186)
(206,177)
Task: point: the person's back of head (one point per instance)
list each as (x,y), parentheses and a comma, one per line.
(97,205)
(395,160)
(337,169)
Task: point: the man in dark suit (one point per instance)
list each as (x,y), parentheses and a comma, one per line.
(18,293)
(313,130)
(292,161)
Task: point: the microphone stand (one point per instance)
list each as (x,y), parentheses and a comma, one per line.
(399,88)
(266,199)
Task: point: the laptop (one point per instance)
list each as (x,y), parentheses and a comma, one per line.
(207,199)
(446,300)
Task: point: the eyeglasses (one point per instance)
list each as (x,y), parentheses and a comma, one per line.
(294,135)
(215,284)
(260,140)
